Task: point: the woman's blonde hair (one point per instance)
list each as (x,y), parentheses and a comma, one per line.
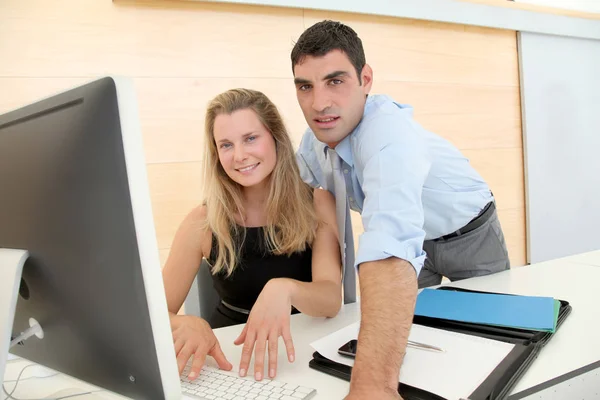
(291,221)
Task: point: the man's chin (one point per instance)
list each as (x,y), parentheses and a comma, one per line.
(329,137)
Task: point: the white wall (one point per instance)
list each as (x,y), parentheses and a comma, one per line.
(560,100)
(580,5)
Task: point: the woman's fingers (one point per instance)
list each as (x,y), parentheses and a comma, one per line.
(289,343)
(219,357)
(259,354)
(242,338)
(273,339)
(183,357)
(247,352)
(199,357)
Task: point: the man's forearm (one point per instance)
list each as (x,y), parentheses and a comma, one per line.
(388,292)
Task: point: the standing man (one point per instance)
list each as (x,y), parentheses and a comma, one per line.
(426,212)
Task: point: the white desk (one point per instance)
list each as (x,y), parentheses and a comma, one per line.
(574,345)
(590,258)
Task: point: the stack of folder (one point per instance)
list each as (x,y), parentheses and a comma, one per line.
(527,322)
(521,312)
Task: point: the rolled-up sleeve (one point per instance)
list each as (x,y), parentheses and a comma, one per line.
(394,165)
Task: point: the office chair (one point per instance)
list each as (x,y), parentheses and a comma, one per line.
(202,298)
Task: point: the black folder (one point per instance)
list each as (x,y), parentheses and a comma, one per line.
(498,384)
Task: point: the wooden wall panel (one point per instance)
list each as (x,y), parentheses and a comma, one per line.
(176,107)
(462,81)
(146,38)
(418,51)
(470,116)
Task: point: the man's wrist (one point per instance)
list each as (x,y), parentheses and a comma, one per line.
(370,388)
(367,382)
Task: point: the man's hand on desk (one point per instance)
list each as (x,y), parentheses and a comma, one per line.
(193,336)
(388,291)
(372,393)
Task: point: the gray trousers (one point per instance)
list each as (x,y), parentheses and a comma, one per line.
(481,251)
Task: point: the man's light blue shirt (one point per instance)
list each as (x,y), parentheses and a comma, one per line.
(409,184)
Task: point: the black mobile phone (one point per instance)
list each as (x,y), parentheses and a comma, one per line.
(349,349)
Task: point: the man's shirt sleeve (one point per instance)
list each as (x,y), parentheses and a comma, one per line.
(392,162)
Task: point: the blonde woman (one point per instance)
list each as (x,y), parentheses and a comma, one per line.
(270,239)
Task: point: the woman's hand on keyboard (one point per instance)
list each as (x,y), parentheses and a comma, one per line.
(193,336)
(268,319)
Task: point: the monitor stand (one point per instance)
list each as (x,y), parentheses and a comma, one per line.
(11,268)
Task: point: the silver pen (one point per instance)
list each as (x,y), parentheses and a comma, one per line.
(424,346)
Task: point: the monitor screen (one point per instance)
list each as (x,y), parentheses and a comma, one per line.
(75,196)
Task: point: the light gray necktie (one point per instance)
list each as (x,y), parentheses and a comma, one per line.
(342,212)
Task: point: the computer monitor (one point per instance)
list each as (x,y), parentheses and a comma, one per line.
(74,194)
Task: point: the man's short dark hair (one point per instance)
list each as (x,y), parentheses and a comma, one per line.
(325,36)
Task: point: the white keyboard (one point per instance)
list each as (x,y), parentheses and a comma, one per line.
(216,384)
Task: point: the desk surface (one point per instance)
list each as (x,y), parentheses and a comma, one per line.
(591,258)
(574,279)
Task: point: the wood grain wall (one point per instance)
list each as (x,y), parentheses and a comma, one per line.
(462,81)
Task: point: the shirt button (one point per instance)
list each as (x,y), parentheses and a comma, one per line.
(350,198)
(345,171)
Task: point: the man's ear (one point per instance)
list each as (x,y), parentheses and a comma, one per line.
(367,78)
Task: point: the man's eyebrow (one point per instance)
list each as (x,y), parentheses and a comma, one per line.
(331,75)
(301,81)
(335,74)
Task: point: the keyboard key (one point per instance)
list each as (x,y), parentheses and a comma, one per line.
(214,384)
(304,390)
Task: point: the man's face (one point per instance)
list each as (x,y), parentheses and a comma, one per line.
(330,95)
